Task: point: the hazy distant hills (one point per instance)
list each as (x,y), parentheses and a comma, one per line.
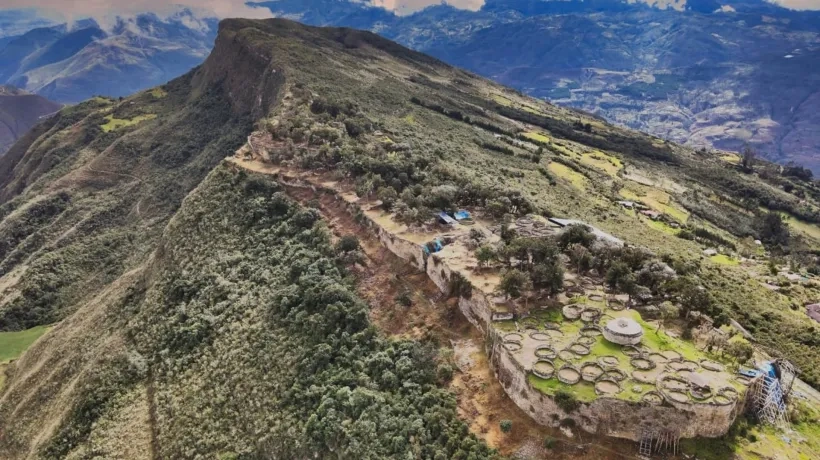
(19,111)
(73,64)
(709,73)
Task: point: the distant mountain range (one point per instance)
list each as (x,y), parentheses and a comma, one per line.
(19,111)
(71,64)
(709,73)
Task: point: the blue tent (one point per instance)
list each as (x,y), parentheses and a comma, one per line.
(435,244)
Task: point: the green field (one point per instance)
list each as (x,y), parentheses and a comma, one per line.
(13,344)
(114,124)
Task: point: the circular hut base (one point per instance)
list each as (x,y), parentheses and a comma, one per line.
(572,311)
(642,364)
(579,349)
(513,336)
(586,340)
(677,396)
(569,375)
(596,297)
(643,377)
(614,374)
(545,352)
(653,398)
(543,368)
(591,371)
(658,358)
(540,336)
(608,361)
(607,387)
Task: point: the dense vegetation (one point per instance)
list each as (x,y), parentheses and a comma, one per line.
(258,346)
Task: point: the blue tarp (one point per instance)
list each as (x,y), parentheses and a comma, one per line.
(436,244)
(751,373)
(462,214)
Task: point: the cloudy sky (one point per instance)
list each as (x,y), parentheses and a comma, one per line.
(66,10)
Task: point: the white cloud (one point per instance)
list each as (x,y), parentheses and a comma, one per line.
(799,4)
(410,6)
(104,10)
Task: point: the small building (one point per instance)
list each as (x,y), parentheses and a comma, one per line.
(623,331)
(710,252)
(627,204)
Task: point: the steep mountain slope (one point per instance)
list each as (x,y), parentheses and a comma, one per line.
(201,312)
(700,76)
(71,65)
(19,111)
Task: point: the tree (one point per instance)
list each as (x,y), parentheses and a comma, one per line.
(576,234)
(617,273)
(548,275)
(667,310)
(513,283)
(740,350)
(748,158)
(581,258)
(773,230)
(485,254)
(443,197)
(388,197)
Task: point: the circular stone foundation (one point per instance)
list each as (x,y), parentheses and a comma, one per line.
(579,349)
(658,358)
(616,305)
(632,351)
(569,284)
(700,394)
(684,365)
(643,377)
(572,311)
(545,352)
(540,336)
(623,331)
(726,395)
(653,398)
(711,365)
(642,364)
(590,314)
(569,375)
(591,330)
(586,340)
(514,336)
(672,383)
(677,396)
(614,374)
(596,297)
(543,368)
(591,371)
(608,361)
(550,326)
(607,387)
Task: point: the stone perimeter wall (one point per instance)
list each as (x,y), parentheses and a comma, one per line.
(606,415)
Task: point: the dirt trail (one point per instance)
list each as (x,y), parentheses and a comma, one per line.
(482,401)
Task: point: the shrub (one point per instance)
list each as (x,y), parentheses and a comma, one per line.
(506,426)
(404,299)
(549,442)
(348,243)
(566,401)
